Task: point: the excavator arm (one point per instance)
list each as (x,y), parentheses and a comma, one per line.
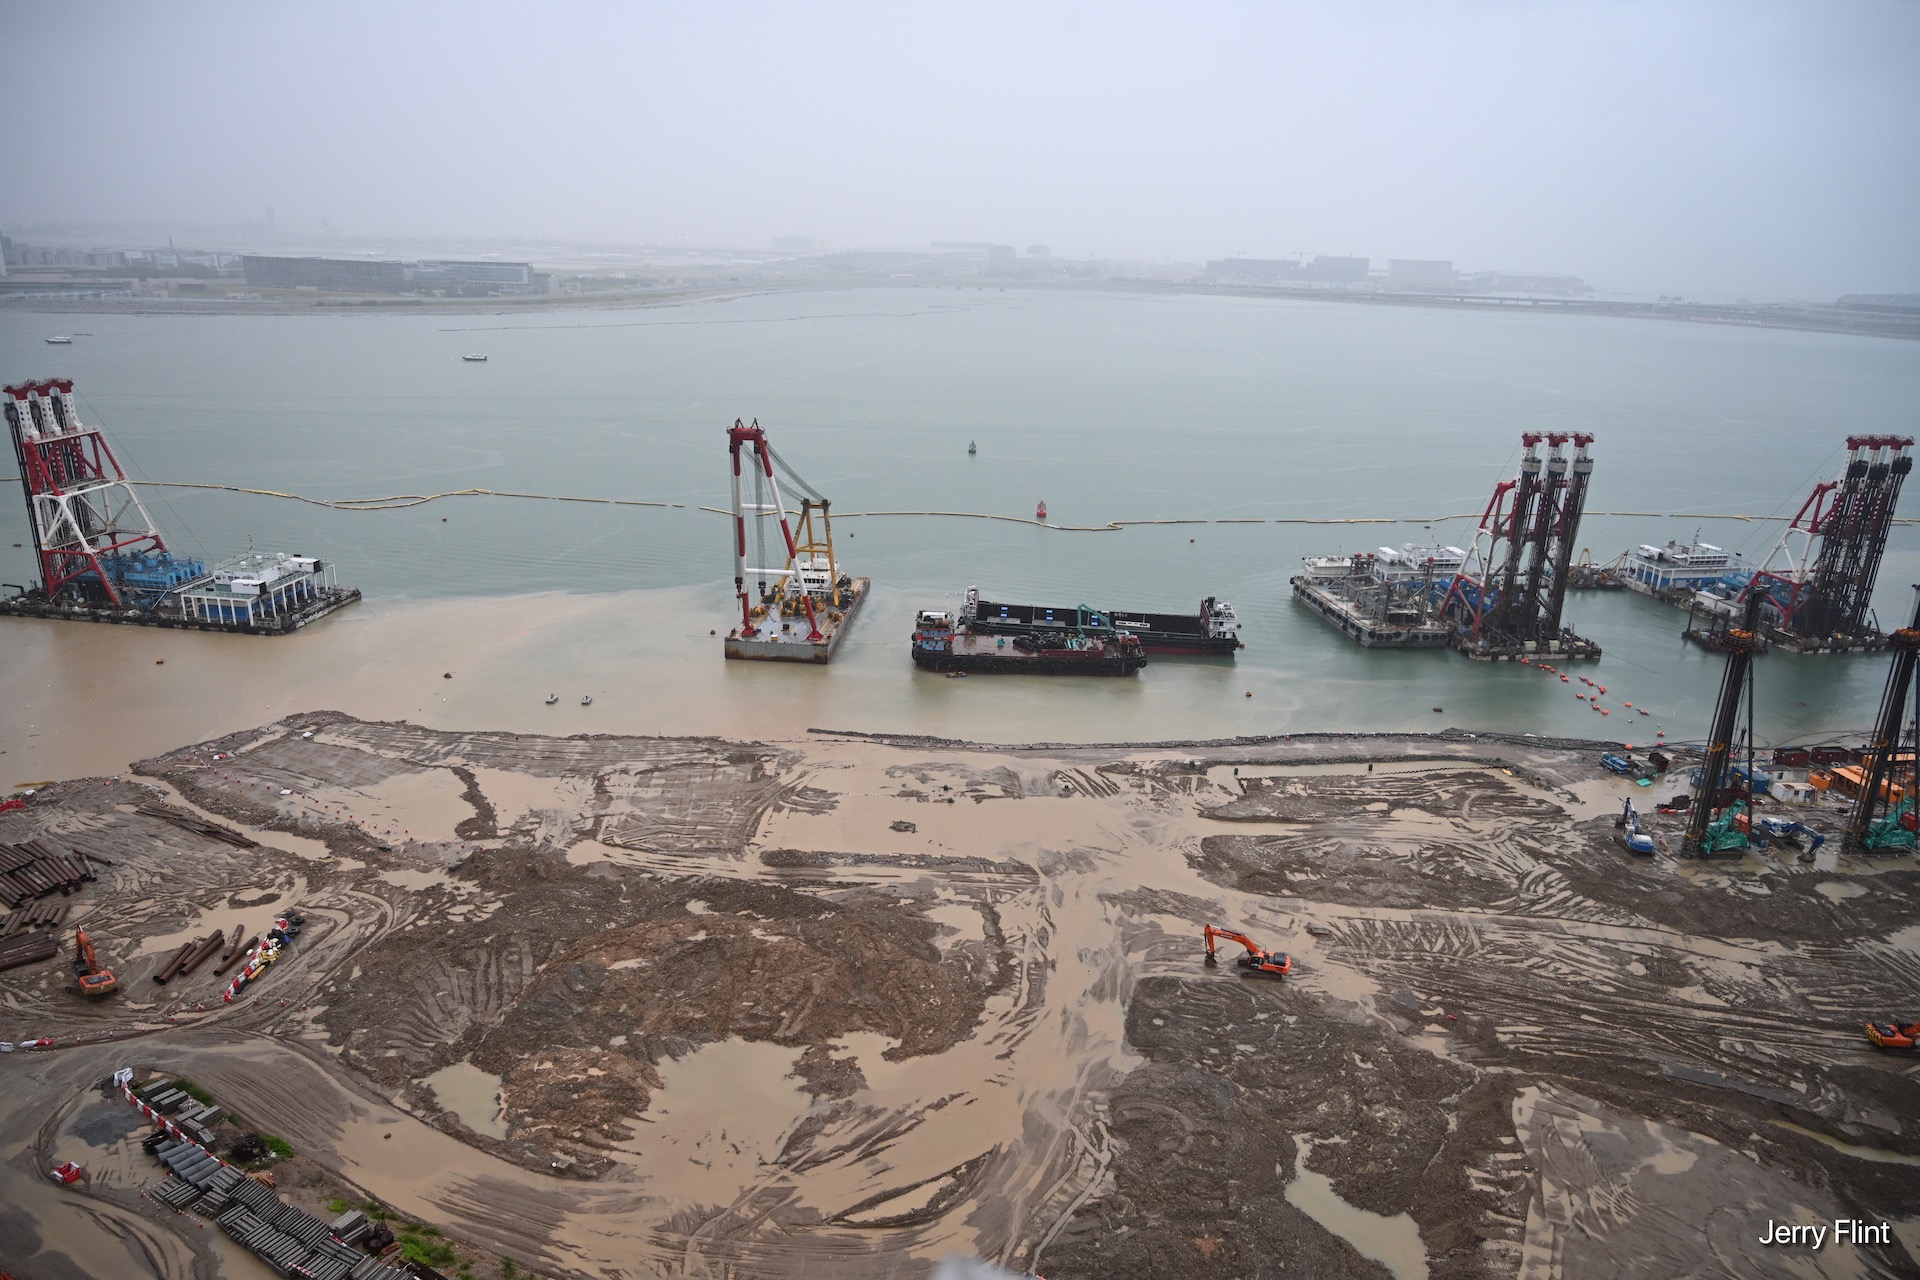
(1211,932)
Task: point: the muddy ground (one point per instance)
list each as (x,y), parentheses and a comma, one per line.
(641,1006)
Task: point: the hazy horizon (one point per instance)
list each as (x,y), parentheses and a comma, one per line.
(1713,149)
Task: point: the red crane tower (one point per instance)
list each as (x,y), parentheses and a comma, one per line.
(765,483)
(89,528)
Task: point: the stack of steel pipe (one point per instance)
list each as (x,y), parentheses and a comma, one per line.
(36,868)
(166,971)
(233,944)
(27,949)
(207,947)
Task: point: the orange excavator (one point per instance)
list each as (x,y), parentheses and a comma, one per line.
(1892,1035)
(94,981)
(1278,963)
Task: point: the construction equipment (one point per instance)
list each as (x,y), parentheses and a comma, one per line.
(1619,764)
(1726,834)
(1508,597)
(1256,960)
(94,980)
(1632,834)
(1889,834)
(66,1173)
(1705,835)
(1819,578)
(1893,1035)
(1790,831)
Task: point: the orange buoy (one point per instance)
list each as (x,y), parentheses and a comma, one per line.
(1602,688)
(1629,704)
(1605,712)
(1563,679)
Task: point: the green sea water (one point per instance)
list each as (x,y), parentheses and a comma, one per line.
(1109,407)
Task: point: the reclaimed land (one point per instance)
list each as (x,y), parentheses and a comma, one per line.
(848,1005)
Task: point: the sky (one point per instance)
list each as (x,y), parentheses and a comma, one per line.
(1712,150)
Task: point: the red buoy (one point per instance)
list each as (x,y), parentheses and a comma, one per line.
(1040,512)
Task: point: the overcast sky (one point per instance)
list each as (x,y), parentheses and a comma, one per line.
(1713,149)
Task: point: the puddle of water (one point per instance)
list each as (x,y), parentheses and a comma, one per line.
(718,1120)
(960,916)
(1879,1155)
(404,878)
(418,804)
(1840,890)
(471,1094)
(868,1050)
(1393,1242)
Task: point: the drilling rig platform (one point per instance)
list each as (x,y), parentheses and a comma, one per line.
(102,559)
(1816,584)
(799,611)
(1507,599)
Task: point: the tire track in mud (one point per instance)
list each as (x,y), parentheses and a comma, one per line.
(1029,1140)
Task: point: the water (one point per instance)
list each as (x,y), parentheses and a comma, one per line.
(1110,407)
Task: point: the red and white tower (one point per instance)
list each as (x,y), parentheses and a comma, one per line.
(738,437)
(86,518)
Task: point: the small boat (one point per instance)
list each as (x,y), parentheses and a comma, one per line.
(587,701)
(552,698)
(61,340)
(1040,512)
(476,358)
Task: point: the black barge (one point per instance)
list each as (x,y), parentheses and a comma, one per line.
(940,645)
(1214,631)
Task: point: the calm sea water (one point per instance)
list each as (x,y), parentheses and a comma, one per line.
(1108,407)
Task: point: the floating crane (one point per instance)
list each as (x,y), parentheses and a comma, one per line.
(1892,832)
(94,980)
(1708,834)
(797,611)
(1256,960)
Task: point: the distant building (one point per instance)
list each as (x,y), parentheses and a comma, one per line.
(1253,270)
(348,274)
(1419,273)
(1000,257)
(430,273)
(1039,251)
(793,244)
(1330,270)
(1524,282)
(1902,304)
(26,255)
(1321,270)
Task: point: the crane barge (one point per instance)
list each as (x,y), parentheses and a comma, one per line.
(799,611)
